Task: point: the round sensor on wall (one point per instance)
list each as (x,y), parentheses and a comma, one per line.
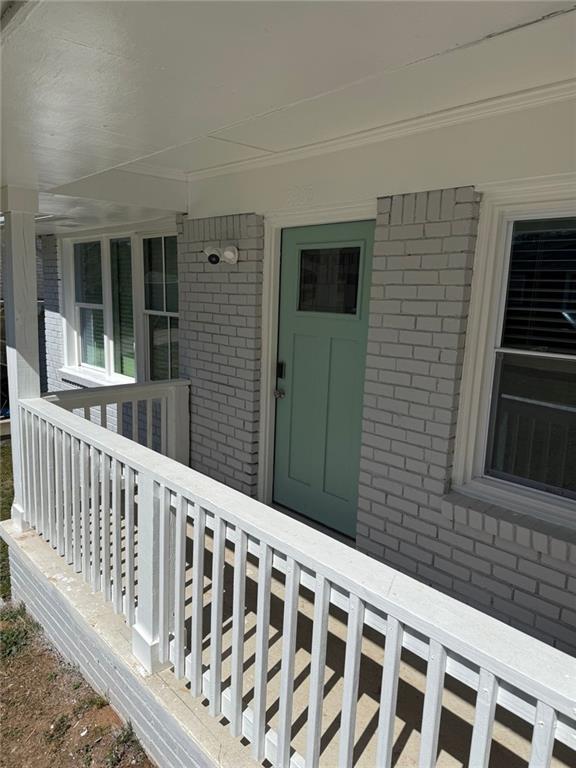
(213,255)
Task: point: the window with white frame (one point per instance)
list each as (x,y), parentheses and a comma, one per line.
(516,434)
(103,307)
(161,305)
(532,429)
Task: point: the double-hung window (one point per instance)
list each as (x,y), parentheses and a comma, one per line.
(516,438)
(532,433)
(103,308)
(161,305)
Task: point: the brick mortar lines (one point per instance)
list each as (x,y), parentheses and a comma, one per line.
(422,271)
(220,345)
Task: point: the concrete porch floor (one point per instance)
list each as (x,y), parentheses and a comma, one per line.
(511,737)
(161,705)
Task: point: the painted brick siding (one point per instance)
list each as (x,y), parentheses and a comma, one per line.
(422,270)
(53,330)
(220,345)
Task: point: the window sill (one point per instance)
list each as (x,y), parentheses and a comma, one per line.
(542,511)
(89,377)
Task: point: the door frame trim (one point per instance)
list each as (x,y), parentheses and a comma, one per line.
(274,223)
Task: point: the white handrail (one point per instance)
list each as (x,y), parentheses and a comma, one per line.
(167,426)
(531,676)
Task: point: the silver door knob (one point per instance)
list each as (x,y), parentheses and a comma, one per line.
(279,394)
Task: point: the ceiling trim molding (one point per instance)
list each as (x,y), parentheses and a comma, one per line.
(525,99)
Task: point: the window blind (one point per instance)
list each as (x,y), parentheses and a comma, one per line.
(540,312)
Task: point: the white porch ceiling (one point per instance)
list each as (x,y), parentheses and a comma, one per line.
(162,89)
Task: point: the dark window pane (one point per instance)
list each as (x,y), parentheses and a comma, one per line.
(329,280)
(122,314)
(92,336)
(88,273)
(174,352)
(171,263)
(533,434)
(541,301)
(153,274)
(159,336)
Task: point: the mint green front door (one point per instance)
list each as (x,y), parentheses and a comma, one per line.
(324,287)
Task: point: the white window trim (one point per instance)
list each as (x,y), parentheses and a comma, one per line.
(501,206)
(73,369)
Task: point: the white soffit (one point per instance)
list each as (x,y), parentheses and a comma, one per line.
(95,93)
(525,62)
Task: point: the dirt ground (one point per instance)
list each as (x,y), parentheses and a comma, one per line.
(50,717)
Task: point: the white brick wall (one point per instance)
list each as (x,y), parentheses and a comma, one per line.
(220,344)
(54,334)
(491,558)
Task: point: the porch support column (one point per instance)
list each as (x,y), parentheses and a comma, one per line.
(21,314)
(145,632)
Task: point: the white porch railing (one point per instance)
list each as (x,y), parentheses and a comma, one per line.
(136,523)
(155,414)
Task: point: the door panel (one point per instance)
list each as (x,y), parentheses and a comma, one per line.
(324,288)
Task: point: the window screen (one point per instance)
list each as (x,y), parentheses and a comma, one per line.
(532,437)
(540,310)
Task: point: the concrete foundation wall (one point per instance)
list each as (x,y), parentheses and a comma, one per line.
(111,675)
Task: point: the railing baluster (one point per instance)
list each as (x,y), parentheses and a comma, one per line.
(262,634)
(76,503)
(163,426)
(104,416)
(88,413)
(389,691)
(317,666)
(129,537)
(432,705)
(30,474)
(179,587)
(85,508)
(67,495)
(238,621)
(58,471)
(95,460)
(106,526)
(165,577)
(37,472)
(217,591)
(25,462)
(116,536)
(135,420)
(351,678)
(543,736)
(483,720)
(288,659)
(149,435)
(119,425)
(43,516)
(51,527)
(197,601)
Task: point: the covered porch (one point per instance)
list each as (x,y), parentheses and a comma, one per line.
(230,634)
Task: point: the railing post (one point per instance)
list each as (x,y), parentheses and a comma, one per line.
(19,278)
(178,423)
(145,632)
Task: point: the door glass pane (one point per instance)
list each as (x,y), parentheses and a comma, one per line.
(159,336)
(329,280)
(88,273)
(533,433)
(174,352)
(153,274)
(122,313)
(92,336)
(541,301)
(171,264)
